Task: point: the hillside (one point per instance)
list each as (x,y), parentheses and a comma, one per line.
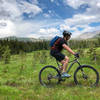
(19,80)
(20,39)
(89,35)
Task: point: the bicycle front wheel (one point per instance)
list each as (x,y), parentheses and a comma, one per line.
(86,75)
(49,76)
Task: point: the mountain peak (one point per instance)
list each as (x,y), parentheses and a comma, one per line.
(89,35)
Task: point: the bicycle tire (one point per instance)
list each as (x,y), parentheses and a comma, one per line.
(56,73)
(96,75)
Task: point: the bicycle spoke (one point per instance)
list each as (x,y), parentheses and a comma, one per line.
(86,76)
(48,77)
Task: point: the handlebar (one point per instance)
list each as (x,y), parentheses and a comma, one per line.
(76,55)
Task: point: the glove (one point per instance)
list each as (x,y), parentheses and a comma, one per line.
(76,55)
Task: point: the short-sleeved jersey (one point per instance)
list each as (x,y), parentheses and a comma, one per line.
(58,44)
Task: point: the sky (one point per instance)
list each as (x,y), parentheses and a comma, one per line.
(47,18)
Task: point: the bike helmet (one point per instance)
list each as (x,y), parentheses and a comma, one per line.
(66,33)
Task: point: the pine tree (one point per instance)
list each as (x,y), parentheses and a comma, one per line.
(22,56)
(93,54)
(1,52)
(6,54)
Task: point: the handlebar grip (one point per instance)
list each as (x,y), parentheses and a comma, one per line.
(76,55)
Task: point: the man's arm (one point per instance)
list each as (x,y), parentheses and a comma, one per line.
(68,49)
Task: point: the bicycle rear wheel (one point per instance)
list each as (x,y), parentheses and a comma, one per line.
(86,75)
(49,76)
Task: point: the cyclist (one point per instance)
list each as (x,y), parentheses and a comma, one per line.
(57,48)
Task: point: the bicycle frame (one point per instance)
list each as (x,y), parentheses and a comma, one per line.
(73,62)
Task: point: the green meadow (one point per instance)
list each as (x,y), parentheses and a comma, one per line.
(19,80)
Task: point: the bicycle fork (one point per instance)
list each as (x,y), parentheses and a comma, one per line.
(83,74)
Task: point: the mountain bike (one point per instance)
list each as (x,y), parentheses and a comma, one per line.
(84,75)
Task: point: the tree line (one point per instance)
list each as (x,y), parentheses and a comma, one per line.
(16,46)
(9,47)
(76,44)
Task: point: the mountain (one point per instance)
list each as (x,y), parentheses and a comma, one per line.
(89,35)
(19,38)
(45,38)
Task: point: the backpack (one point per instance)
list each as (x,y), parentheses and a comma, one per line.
(52,42)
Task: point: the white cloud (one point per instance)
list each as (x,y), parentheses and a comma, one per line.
(12,9)
(9,9)
(79,19)
(98,4)
(77,3)
(65,27)
(28,28)
(45,33)
(56,2)
(29,8)
(46,15)
(8,28)
(51,13)
(74,3)
(11,22)
(52,0)
(50,32)
(34,1)
(85,30)
(91,15)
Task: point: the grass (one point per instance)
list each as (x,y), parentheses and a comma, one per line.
(19,80)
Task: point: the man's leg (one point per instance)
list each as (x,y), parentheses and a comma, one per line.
(65,63)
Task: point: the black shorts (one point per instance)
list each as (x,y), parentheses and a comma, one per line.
(58,55)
